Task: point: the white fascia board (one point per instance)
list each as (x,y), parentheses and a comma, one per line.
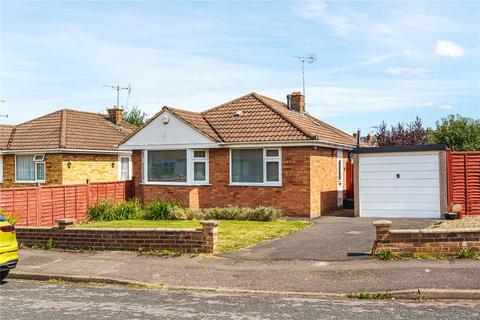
(279,144)
(169,146)
(67,151)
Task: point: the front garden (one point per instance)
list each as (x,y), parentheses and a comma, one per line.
(238,227)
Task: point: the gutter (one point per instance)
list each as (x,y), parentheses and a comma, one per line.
(62,150)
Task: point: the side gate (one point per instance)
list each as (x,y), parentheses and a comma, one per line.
(464,181)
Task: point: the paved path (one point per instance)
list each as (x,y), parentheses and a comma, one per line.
(329,239)
(22,300)
(214,272)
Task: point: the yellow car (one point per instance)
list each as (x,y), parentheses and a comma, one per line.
(8,248)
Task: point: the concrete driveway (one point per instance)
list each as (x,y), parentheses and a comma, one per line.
(329,239)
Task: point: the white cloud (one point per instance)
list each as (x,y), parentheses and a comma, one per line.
(445,106)
(404,71)
(448,49)
(341,24)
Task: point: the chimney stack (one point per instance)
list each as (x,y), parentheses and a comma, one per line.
(296,102)
(115,115)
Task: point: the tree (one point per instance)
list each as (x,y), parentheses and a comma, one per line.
(412,133)
(135,116)
(458,133)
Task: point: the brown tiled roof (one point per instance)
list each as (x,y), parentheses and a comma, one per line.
(196,120)
(5,133)
(66,129)
(262,119)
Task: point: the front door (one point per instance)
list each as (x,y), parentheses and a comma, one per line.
(340,177)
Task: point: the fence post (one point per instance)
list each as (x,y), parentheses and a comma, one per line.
(38,204)
(88,193)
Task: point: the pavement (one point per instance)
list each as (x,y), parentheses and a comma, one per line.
(283,276)
(329,239)
(26,300)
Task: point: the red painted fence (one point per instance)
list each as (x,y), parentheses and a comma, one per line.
(42,205)
(464,181)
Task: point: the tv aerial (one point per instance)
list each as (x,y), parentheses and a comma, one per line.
(118,88)
(310,58)
(3,115)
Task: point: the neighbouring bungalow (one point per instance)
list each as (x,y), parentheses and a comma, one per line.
(251,151)
(65,147)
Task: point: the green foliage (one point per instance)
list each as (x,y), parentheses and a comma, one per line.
(127,210)
(373,295)
(468,253)
(457,132)
(234,213)
(101,211)
(50,245)
(135,116)
(11,218)
(387,255)
(164,210)
(106,211)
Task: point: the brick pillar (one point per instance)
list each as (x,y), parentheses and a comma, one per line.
(382,227)
(210,236)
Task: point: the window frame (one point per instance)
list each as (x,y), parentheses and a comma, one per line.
(190,168)
(120,157)
(35,171)
(265,159)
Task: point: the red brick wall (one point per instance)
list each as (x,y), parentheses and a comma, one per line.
(433,242)
(189,240)
(303,193)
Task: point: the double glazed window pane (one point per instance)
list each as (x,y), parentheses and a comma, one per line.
(273,172)
(25,168)
(125,168)
(199,171)
(40,171)
(167,166)
(247,165)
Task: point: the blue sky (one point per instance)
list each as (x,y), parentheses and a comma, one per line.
(376,61)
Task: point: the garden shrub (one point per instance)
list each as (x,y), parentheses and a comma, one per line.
(164,210)
(101,211)
(234,213)
(126,210)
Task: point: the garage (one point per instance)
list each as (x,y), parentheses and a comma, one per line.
(400,182)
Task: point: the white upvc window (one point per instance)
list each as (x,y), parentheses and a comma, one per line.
(176,167)
(30,168)
(256,167)
(124,167)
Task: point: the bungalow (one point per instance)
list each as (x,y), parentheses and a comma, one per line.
(251,151)
(65,147)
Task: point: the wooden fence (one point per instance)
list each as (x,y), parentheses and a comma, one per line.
(40,206)
(464,181)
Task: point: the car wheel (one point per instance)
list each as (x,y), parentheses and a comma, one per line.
(4,274)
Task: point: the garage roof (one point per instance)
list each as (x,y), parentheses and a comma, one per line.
(429,147)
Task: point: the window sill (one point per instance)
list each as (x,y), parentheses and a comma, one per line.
(30,182)
(179,184)
(255,184)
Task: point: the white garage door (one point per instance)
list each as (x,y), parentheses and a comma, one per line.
(399,185)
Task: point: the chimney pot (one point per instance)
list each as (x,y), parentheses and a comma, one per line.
(297,102)
(115,115)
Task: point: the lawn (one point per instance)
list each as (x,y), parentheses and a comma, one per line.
(232,234)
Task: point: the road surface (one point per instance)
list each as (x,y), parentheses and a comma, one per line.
(32,300)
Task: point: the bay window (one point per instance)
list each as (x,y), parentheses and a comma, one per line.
(186,166)
(30,168)
(255,166)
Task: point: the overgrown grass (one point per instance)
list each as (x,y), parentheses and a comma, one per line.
(232,234)
(468,253)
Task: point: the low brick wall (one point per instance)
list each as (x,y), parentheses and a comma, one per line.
(414,242)
(188,240)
